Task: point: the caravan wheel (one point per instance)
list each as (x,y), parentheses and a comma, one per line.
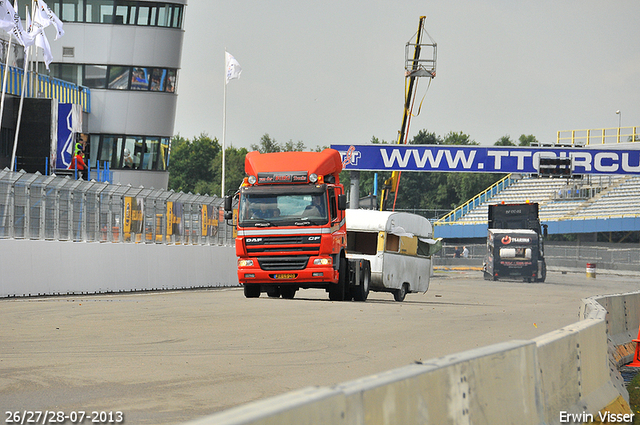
(399,294)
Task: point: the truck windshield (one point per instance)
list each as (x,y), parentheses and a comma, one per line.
(260,209)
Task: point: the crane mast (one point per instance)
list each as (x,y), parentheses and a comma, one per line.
(415,67)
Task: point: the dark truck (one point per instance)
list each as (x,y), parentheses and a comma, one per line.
(515,243)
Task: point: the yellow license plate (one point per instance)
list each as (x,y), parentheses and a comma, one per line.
(285,276)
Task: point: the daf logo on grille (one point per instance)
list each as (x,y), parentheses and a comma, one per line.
(254,240)
(313,238)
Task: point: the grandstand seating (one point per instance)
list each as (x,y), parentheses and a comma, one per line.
(562,199)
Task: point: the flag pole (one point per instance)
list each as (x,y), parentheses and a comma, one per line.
(24,84)
(4,79)
(224,121)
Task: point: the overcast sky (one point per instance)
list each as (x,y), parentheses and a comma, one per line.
(332,72)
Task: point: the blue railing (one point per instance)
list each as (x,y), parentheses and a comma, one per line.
(47,87)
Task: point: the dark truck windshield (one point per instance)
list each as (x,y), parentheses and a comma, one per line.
(259,208)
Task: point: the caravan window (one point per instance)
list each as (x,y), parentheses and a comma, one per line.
(362,243)
(393,243)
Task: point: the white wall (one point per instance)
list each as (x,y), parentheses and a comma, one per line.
(50,267)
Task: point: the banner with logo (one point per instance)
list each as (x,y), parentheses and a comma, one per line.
(617,159)
(209,220)
(133,215)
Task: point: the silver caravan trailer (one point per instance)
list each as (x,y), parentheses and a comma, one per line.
(399,247)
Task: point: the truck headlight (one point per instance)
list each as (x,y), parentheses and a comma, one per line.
(245,263)
(322,261)
(252,179)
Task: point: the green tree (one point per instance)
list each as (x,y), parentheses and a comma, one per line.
(267,145)
(190,162)
(504,141)
(527,140)
(294,147)
(460,138)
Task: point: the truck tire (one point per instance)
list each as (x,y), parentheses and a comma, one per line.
(288,292)
(338,291)
(399,294)
(273,291)
(543,273)
(251,290)
(361,291)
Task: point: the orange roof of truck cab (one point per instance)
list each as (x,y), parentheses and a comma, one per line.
(321,163)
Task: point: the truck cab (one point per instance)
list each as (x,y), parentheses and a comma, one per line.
(515,243)
(291,231)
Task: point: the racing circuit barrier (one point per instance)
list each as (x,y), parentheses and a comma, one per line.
(566,376)
(64,236)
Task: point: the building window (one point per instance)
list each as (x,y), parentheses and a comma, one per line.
(118,77)
(150,156)
(121,12)
(100,11)
(72,10)
(133,152)
(170,85)
(95,76)
(158,77)
(164,15)
(112,77)
(140,79)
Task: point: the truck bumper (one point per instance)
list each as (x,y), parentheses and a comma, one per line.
(315,276)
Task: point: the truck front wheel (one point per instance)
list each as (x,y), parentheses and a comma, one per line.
(288,292)
(251,290)
(338,291)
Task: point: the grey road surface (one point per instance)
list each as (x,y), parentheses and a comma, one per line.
(163,358)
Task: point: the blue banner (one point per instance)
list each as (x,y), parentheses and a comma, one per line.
(482,159)
(66,136)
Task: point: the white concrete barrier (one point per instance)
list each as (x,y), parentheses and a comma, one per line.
(545,381)
(36,267)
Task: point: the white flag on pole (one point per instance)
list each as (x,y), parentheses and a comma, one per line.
(36,30)
(11,23)
(45,16)
(232,67)
(41,41)
(6,16)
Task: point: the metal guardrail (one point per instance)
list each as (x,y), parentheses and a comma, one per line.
(598,135)
(40,207)
(46,87)
(480,198)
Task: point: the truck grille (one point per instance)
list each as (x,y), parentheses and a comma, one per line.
(283,263)
(274,244)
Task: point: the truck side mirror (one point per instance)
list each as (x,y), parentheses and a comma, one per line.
(342,202)
(228,207)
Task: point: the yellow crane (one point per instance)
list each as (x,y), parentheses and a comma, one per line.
(415,67)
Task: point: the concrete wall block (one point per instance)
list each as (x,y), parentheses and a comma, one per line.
(616,318)
(495,384)
(307,406)
(560,377)
(37,267)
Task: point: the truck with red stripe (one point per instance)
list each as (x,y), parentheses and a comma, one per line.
(291,227)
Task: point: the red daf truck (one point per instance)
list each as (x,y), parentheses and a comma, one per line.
(291,227)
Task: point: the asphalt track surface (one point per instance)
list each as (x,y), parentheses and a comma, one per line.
(169,357)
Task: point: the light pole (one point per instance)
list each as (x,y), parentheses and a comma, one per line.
(619,118)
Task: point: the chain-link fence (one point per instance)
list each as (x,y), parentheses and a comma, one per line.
(610,257)
(35,206)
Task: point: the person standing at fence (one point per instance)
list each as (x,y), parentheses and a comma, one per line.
(77,162)
(465,252)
